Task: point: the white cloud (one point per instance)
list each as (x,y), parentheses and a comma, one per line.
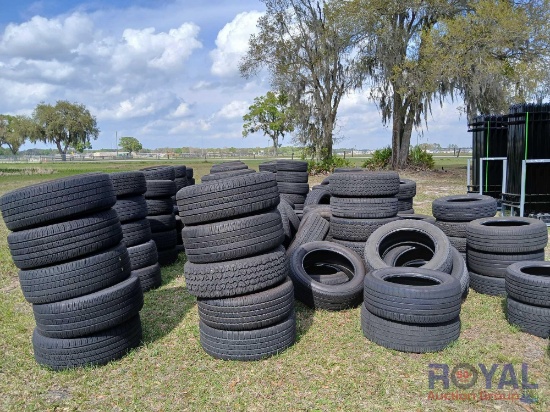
(233,110)
(41,38)
(232,43)
(142,105)
(181,111)
(162,51)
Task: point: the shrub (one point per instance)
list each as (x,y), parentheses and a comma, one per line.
(327,165)
(380,159)
(420,159)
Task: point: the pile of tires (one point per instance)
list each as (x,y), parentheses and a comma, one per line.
(494,243)
(327,275)
(237,267)
(270,166)
(74,269)
(161,187)
(360,203)
(292,181)
(313,227)
(405,196)
(132,211)
(318,200)
(227,170)
(181,180)
(411,309)
(528,300)
(290,220)
(190,176)
(452,214)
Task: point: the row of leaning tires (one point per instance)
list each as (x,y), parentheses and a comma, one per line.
(237,267)
(67,243)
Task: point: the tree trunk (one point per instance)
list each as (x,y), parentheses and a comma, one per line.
(275,145)
(62,152)
(403,120)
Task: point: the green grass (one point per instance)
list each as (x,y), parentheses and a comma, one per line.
(331,366)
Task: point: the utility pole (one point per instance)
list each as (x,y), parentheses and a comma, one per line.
(116,142)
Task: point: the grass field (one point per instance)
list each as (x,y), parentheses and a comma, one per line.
(331,366)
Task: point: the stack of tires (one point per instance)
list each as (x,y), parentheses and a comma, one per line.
(405,196)
(360,203)
(237,267)
(270,166)
(132,211)
(319,200)
(292,181)
(452,214)
(227,170)
(161,186)
(411,309)
(180,173)
(190,177)
(66,241)
(494,243)
(528,300)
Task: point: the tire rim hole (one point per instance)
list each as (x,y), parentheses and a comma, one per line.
(411,280)
(504,223)
(536,270)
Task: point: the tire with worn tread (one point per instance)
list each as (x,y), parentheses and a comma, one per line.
(128,183)
(162,206)
(150,277)
(364,208)
(142,255)
(532,319)
(318,197)
(407,189)
(365,184)
(160,189)
(291,166)
(356,230)
(495,264)
(292,177)
(487,285)
(529,282)
(313,227)
(131,208)
(464,208)
(159,173)
(226,175)
(416,216)
(136,232)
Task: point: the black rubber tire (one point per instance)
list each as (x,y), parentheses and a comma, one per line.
(228,198)
(162,223)
(407,189)
(322,296)
(534,320)
(180,171)
(136,232)
(365,184)
(131,208)
(165,240)
(364,208)
(149,277)
(91,313)
(460,271)
(487,285)
(160,189)
(349,170)
(495,264)
(57,200)
(248,345)
(168,257)
(404,233)
(413,216)
(333,279)
(162,206)
(228,167)
(233,239)
(253,311)
(357,247)
(356,230)
(405,206)
(268,167)
(293,199)
(181,182)
(312,228)
(189,172)
(143,255)
(97,349)
(464,208)
(507,235)
(128,183)
(407,337)
(61,242)
(287,229)
(529,282)
(452,229)
(291,166)
(406,212)
(412,295)
(325,181)
(293,188)
(226,175)
(459,242)
(292,177)
(291,214)
(191,181)
(159,173)
(318,197)
(323,210)
(236,277)
(75,278)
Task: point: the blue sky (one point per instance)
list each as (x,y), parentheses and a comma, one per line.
(163,71)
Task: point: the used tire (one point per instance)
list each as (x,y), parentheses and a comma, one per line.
(162,223)
(228,167)
(495,264)
(249,312)
(97,349)
(412,295)
(323,296)
(162,206)
(142,255)
(233,239)
(312,228)
(159,173)
(168,257)
(531,319)
(529,282)
(61,242)
(131,208)
(248,345)
(91,313)
(356,230)
(487,285)
(364,208)
(225,175)
(413,216)
(407,189)
(406,337)
(452,229)
(57,200)
(293,188)
(464,207)
(136,232)
(149,277)
(75,278)
(364,184)
(165,240)
(291,166)
(160,188)
(236,277)
(318,197)
(128,183)
(507,234)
